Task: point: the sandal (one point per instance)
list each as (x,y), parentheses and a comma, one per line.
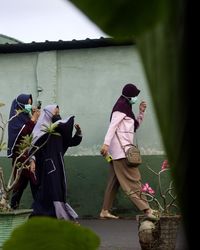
(152,214)
(105,214)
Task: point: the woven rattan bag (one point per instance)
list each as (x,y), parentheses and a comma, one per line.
(133,156)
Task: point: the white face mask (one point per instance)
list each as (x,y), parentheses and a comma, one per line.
(133,100)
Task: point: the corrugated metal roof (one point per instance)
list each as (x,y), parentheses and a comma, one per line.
(62,45)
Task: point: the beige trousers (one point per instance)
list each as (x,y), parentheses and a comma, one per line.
(129,180)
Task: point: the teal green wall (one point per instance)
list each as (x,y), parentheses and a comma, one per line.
(87,177)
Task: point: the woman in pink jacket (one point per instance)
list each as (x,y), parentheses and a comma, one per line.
(124,124)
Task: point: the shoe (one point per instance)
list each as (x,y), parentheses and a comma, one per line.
(155,212)
(105,214)
(152,214)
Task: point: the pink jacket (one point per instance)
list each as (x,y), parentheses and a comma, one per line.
(124,126)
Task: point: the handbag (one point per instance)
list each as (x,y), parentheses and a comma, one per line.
(133,156)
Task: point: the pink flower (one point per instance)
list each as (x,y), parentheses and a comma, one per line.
(164,165)
(164,205)
(147,189)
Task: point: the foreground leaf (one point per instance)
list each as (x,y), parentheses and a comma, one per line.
(52,234)
(121,18)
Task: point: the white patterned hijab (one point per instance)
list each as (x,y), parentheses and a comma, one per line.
(45,119)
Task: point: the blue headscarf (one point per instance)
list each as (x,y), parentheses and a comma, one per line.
(16,125)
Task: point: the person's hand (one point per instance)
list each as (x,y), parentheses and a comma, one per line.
(104,149)
(143,106)
(32,166)
(78,129)
(32,170)
(35,114)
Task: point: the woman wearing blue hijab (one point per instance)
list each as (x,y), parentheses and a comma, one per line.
(20,124)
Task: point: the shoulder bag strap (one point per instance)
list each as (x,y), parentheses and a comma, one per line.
(123,147)
(120,143)
(136,142)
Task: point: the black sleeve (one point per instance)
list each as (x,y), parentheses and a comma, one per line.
(66,130)
(75,140)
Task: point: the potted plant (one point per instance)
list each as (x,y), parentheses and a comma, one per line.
(162,232)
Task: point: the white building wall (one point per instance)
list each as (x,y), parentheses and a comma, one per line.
(85,83)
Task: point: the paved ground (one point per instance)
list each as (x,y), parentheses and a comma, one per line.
(122,234)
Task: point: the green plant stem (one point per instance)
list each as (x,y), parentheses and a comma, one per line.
(160,189)
(156,201)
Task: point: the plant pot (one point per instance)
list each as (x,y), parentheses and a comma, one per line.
(158,235)
(10,220)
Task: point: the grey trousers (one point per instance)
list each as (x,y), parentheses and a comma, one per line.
(129,180)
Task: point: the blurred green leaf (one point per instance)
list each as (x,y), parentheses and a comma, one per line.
(51,234)
(3,146)
(123,18)
(2,104)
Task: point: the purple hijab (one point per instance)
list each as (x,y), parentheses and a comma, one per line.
(16,125)
(45,119)
(123,105)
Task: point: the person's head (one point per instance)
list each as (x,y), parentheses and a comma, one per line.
(56,115)
(52,112)
(49,115)
(21,102)
(130,92)
(24,102)
(24,99)
(56,111)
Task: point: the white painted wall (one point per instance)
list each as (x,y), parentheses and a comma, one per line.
(85,83)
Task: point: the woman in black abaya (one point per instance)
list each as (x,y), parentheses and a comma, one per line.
(51,195)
